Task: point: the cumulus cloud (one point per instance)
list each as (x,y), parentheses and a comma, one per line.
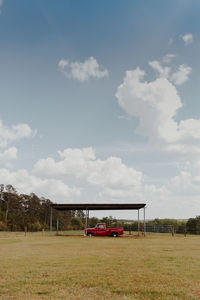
(74,162)
(163,71)
(7,156)
(27,183)
(100,180)
(14,133)
(177,77)
(110,178)
(79,174)
(155,104)
(187,38)
(82,71)
(182,75)
(82,163)
(186,185)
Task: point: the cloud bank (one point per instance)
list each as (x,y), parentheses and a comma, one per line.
(77,172)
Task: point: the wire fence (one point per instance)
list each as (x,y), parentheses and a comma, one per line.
(159,228)
(162,229)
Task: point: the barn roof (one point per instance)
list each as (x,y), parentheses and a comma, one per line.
(105,206)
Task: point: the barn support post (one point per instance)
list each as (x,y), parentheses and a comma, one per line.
(57,225)
(51,217)
(138,222)
(86,218)
(144,222)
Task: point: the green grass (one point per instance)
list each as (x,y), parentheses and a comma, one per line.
(59,267)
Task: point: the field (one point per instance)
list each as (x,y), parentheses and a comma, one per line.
(61,267)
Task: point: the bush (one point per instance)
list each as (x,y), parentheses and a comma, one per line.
(3,226)
(77,223)
(36,226)
(193,225)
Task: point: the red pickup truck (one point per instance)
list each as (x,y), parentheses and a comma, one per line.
(101,230)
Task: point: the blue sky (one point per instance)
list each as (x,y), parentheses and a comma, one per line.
(120,137)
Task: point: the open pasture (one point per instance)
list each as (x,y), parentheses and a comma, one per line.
(60,267)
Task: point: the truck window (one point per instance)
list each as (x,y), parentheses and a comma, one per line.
(101,226)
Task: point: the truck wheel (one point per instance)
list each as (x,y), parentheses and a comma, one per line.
(115,234)
(90,234)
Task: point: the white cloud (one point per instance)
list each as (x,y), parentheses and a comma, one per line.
(14,133)
(182,75)
(82,163)
(111,193)
(8,155)
(108,180)
(187,38)
(178,77)
(168,58)
(82,71)
(163,71)
(187,182)
(155,103)
(112,172)
(27,183)
(74,162)
(95,180)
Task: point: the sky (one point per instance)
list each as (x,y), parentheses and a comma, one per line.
(100,102)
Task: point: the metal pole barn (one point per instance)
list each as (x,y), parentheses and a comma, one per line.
(103,206)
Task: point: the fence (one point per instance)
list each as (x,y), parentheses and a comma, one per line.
(160,228)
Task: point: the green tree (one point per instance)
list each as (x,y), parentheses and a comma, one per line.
(193,225)
(93,222)
(77,223)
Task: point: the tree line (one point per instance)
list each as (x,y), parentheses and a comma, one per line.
(190,226)
(18,211)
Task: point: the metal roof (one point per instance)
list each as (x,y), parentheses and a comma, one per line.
(89,206)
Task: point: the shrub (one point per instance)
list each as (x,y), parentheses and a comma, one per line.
(36,226)
(3,226)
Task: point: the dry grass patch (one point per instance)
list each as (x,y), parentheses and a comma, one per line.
(58,267)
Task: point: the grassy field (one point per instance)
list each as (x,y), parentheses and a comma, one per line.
(60,267)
